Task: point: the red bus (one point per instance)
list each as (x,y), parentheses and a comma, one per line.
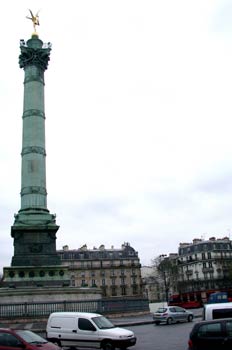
(197,299)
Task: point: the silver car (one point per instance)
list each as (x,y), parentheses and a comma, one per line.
(172,314)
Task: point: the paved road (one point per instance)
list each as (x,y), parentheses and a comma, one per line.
(149,336)
(162,337)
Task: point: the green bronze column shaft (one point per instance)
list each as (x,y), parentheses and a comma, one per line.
(34,60)
(34,229)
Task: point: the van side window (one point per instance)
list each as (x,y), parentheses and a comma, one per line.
(85,325)
(210,330)
(222,313)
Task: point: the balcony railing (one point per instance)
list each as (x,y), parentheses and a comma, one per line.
(208,269)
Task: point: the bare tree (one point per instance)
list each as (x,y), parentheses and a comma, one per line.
(167,271)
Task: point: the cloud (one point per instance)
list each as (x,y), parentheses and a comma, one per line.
(138,121)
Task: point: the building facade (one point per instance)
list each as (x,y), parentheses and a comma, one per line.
(200,268)
(116,271)
(205,265)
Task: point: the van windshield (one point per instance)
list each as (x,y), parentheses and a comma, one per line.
(102,322)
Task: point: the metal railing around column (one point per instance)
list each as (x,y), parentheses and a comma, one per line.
(43,309)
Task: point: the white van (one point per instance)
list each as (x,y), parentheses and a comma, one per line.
(88,330)
(216,311)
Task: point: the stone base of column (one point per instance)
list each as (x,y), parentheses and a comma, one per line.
(32,276)
(40,300)
(34,240)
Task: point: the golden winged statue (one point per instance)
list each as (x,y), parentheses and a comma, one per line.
(34,19)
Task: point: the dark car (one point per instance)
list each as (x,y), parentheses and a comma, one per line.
(172,314)
(211,335)
(12,339)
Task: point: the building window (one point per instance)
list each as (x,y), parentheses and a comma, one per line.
(209,255)
(135,290)
(114,292)
(89,265)
(113,281)
(83,283)
(104,291)
(133,280)
(211,275)
(103,282)
(123,290)
(73,281)
(203,256)
(205,276)
(122,280)
(93,283)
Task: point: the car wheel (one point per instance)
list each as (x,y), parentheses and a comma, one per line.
(190,318)
(108,346)
(169,320)
(157,323)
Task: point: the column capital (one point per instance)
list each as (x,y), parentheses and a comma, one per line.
(34,52)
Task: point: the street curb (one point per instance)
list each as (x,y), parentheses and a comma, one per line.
(138,323)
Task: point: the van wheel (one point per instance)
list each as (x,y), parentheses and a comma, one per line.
(157,323)
(190,318)
(169,320)
(108,346)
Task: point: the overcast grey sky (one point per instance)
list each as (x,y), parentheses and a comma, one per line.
(138,121)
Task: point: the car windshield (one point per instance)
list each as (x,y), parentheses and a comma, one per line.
(102,322)
(161,310)
(30,337)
